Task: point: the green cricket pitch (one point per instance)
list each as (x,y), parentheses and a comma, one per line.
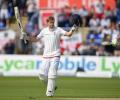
(69,88)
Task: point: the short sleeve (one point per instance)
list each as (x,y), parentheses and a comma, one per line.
(61,31)
(40,35)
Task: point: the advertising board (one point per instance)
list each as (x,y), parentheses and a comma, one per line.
(80,66)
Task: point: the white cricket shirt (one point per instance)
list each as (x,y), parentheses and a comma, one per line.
(51,40)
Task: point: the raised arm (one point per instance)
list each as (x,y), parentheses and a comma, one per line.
(33,39)
(73,29)
(25,37)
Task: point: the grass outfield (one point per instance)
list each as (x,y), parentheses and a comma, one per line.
(31,88)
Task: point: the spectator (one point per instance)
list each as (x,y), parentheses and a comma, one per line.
(94,23)
(2,25)
(109,49)
(75,10)
(117,47)
(22,6)
(64,17)
(115,31)
(10,47)
(4,14)
(61,18)
(83,49)
(31,8)
(113,17)
(117,10)
(7,36)
(99,8)
(108,12)
(94,38)
(92,10)
(68,13)
(10,10)
(100,51)
(84,13)
(76,19)
(106,34)
(91,38)
(101,22)
(92,49)
(117,37)
(33,25)
(105,22)
(98,38)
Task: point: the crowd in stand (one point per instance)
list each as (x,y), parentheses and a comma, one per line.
(103,24)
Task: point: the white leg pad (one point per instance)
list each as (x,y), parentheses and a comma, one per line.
(50,87)
(52,73)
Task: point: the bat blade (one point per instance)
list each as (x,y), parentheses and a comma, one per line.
(19,22)
(18,19)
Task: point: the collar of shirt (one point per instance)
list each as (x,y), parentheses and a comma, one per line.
(51,29)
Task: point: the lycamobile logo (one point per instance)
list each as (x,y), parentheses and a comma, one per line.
(21,64)
(104,64)
(110,66)
(65,64)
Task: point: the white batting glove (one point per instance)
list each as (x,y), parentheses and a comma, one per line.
(74,28)
(24,37)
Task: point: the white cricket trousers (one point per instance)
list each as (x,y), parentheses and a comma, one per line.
(48,72)
(49,67)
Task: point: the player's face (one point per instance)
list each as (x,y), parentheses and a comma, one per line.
(51,24)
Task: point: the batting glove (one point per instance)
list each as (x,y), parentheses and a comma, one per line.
(24,37)
(74,28)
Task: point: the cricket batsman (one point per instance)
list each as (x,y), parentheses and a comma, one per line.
(51,56)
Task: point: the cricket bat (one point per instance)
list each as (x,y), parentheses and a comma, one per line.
(19,22)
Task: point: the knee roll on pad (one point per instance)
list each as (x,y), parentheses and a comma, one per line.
(51,76)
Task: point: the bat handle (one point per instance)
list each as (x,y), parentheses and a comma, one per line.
(25,41)
(23,37)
